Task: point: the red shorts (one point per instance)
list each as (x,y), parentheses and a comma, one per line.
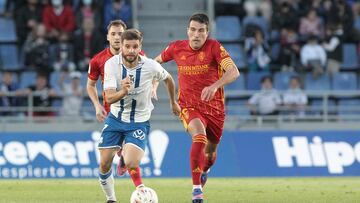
(214,125)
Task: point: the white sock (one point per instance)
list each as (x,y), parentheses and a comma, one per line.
(197,187)
(107,184)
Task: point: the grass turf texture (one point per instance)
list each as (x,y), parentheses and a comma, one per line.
(178,190)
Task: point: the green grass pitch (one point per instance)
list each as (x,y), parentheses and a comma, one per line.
(178,190)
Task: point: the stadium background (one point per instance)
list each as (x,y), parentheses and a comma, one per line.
(323,142)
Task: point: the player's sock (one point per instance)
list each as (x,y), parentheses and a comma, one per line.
(135,175)
(209,161)
(197,154)
(107,184)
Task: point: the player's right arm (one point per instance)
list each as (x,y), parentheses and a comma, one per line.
(92,91)
(110,83)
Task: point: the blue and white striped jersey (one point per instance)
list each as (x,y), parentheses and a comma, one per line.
(137,105)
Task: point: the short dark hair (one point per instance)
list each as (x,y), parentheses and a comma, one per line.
(131,34)
(200,18)
(267,77)
(116,23)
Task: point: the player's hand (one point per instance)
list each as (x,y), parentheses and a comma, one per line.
(175,107)
(100,113)
(125,84)
(154,94)
(208,93)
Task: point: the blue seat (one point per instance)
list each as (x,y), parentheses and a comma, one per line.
(27,78)
(237,108)
(228,28)
(357,23)
(317,107)
(253,81)
(9,57)
(275,51)
(258,21)
(350,57)
(344,81)
(2,6)
(282,78)
(349,107)
(238,84)
(237,54)
(8,31)
(321,83)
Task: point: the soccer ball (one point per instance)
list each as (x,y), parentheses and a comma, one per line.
(144,195)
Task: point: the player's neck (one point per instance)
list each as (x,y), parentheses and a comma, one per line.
(130,65)
(114,51)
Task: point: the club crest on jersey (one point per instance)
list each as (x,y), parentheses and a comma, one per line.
(201,56)
(132,78)
(139,134)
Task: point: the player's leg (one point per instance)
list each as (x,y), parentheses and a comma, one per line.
(134,148)
(214,132)
(106,177)
(132,158)
(121,168)
(210,158)
(195,125)
(196,129)
(109,144)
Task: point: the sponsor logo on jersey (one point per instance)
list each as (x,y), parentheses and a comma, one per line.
(139,134)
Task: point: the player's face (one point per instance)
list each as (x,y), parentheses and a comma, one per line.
(114,37)
(130,50)
(197,34)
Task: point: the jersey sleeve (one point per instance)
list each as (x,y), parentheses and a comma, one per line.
(167,54)
(94,70)
(110,75)
(160,72)
(222,57)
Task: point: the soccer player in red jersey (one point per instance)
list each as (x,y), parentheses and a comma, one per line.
(204,67)
(96,69)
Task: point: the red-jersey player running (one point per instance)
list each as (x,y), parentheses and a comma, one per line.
(204,67)
(96,69)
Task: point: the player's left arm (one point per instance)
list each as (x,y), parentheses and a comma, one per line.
(222,57)
(231,73)
(162,74)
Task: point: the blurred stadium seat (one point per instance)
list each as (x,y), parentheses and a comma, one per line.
(350,57)
(237,108)
(317,107)
(344,81)
(282,78)
(238,84)
(348,107)
(237,54)
(321,83)
(27,78)
(253,81)
(228,28)
(9,57)
(259,21)
(8,32)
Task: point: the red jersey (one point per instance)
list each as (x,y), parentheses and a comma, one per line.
(198,69)
(96,69)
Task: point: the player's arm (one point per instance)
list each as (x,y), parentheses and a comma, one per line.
(159,59)
(113,96)
(170,86)
(231,73)
(226,64)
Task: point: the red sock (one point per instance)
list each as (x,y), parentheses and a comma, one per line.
(135,175)
(197,154)
(209,161)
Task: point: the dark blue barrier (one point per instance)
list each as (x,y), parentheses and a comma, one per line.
(265,153)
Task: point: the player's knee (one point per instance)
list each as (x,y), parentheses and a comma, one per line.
(132,163)
(210,155)
(104,166)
